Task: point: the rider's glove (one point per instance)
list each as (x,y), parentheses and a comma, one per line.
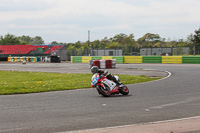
(102,75)
(105,73)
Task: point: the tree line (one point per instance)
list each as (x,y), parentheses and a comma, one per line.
(10,39)
(119,41)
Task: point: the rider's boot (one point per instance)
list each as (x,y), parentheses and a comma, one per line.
(117,82)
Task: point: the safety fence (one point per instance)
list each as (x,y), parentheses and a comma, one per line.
(23,59)
(31,59)
(119,59)
(140,59)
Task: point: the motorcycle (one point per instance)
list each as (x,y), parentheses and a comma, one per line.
(106,87)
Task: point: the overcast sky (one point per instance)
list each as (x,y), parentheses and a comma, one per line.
(69,20)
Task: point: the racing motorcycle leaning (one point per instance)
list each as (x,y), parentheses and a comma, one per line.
(107,87)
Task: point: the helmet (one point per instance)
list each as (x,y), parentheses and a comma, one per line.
(94,69)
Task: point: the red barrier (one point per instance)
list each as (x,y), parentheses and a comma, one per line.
(103,63)
(96,63)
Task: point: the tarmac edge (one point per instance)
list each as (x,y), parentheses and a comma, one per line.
(169,126)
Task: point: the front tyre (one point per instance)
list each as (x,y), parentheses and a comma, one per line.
(103,91)
(124,90)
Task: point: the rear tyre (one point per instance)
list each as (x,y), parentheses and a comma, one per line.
(124,90)
(103,91)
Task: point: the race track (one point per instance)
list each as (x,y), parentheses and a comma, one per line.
(175,97)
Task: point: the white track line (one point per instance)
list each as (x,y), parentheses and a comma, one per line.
(169,74)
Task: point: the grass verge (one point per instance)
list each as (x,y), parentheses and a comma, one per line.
(15,82)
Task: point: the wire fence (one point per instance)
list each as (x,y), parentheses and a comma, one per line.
(170,51)
(65,55)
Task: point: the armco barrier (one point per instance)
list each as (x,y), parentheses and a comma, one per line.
(139,59)
(151,59)
(15,59)
(27,59)
(96,57)
(76,59)
(32,59)
(132,59)
(37,58)
(18,59)
(9,59)
(107,57)
(22,59)
(119,59)
(86,59)
(191,59)
(12,59)
(172,59)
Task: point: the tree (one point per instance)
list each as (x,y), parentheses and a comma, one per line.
(84,49)
(9,39)
(182,43)
(37,40)
(25,39)
(196,39)
(149,39)
(104,42)
(114,45)
(54,42)
(119,38)
(78,44)
(95,44)
(158,44)
(190,43)
(127,41)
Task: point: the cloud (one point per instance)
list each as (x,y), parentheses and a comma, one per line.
(69,21)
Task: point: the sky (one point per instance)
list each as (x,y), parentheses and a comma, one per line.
(69,21)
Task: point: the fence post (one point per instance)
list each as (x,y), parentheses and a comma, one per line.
(172,50)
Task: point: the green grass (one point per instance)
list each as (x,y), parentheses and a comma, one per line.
(15,82)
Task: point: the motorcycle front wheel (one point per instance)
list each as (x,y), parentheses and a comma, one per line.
(124,90)
(103,91)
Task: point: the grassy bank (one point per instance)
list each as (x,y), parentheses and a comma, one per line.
(14,82)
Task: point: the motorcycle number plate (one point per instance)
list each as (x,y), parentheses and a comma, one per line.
(110,84)
(95,80)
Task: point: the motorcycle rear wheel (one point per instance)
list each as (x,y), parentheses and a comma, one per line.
(104,92)
(124,90)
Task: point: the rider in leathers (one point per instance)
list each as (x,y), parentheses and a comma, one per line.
(95,69)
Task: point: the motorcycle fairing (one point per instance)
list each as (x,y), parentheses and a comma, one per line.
(95,79)
(111,85)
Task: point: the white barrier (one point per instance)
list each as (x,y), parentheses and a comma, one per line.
(103,63)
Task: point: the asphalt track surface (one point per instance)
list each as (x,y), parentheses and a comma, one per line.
(175,97)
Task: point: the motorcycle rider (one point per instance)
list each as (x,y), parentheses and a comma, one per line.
(95,69)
